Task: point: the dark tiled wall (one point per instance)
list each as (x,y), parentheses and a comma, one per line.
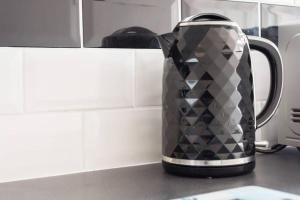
(39,23)
(129,23)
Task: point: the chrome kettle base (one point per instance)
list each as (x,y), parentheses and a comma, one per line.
(215,171)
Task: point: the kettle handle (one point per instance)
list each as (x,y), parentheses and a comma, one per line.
(211,16)
(270,50)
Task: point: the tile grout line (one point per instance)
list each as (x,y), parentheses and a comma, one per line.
(134,80)
(83,140)
(179,3)
(155,107)
(80,22)
(23,77)
(259,19)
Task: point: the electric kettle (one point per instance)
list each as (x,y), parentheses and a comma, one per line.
(209,119)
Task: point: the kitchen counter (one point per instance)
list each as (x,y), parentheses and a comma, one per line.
(279,171)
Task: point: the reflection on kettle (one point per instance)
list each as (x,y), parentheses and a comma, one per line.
(131,37)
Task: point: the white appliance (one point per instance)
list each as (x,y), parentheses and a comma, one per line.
(281,24)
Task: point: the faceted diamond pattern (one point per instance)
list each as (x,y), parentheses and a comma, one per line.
(208,109)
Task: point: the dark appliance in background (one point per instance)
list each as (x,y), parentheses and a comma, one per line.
(131,37)
(209,121)
(251,31)
(101,18)
(271,33)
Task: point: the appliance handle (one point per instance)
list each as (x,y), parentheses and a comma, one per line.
(270,50)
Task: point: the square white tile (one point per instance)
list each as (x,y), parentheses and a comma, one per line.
(148,80)
(11,80)
(40,145)
(62,79)
(119,138)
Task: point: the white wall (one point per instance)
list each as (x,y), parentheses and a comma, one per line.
(71,110)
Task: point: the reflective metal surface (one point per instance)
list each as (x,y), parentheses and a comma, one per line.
(209,23)
(205,163)
(104,18)
(246,14)
(39,23)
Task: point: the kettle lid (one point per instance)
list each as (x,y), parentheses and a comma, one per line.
(204,19)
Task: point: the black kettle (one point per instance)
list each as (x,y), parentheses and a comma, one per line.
(209,120)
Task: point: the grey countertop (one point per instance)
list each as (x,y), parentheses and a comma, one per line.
(279,171)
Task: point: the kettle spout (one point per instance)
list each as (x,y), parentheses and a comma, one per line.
(166,42)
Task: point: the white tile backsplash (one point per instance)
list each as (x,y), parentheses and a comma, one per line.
(148,77)
(271,130)
(63,79)
(258,107)
(11,97)
(118,138)
(40,145)
(261,75)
